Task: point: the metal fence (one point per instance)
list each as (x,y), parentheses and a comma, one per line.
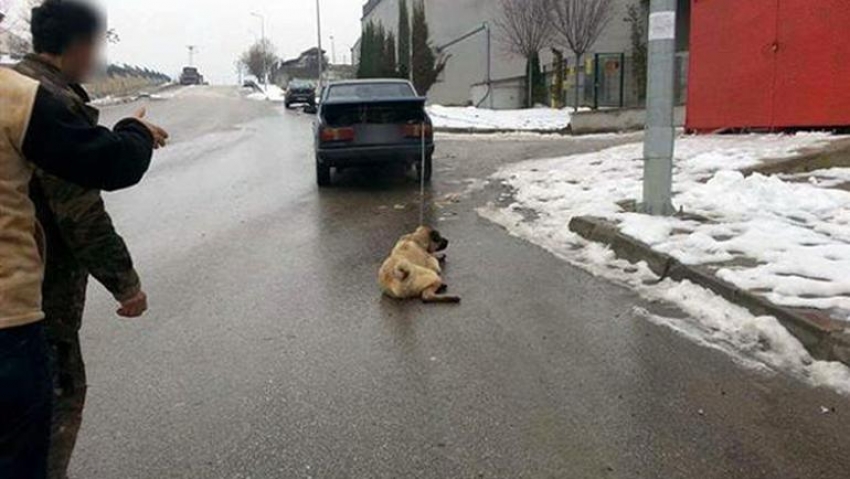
(611,80)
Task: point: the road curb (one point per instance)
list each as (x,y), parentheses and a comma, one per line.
(824,339)
(834,155)
(496,131)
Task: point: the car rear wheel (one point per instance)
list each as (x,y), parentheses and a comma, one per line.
(429,169)
(323,175)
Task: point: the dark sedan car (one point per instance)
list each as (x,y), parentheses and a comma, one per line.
(300,91)
(368,122)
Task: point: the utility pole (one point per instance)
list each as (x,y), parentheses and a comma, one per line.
(321,54)
(659,143)
(333,50)
(265,50)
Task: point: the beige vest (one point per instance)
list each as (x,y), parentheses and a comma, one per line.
(21,265)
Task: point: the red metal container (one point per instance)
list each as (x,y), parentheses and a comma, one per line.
(769,64)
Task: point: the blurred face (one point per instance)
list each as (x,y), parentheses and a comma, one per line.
(81,58)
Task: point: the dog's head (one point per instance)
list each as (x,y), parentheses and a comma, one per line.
(430,239)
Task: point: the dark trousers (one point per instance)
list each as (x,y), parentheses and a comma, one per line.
(69,399)
(25,402)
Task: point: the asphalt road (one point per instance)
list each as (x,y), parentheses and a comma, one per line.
(269,353)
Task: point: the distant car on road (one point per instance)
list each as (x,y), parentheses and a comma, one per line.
(300,91)
(252,85)
(191,76)
(367,122)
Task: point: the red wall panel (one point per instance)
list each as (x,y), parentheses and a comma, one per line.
(769,64)
(813,63)
(731,59)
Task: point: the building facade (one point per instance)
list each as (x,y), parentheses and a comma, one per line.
(465,78)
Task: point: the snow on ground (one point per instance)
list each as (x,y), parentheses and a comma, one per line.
(272,93)
(165,92)
(534,136)
(484,120)
(787,240)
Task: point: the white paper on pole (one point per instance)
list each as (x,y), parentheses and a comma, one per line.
(662,26)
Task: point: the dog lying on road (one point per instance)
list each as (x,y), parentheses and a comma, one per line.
(413,269)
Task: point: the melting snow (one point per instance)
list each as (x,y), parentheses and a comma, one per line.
(272,93)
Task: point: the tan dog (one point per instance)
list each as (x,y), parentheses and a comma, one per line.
(413,269)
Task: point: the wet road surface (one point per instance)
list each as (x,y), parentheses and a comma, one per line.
(268,352)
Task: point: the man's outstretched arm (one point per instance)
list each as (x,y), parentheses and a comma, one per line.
(84,224)
(65,145)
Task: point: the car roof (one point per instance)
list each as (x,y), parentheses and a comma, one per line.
(369,81)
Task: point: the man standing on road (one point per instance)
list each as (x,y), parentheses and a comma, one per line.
(80,237)
(38,129)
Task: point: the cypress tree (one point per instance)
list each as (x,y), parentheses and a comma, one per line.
(372,52)
(426,65)
(389,70)
(366,51)
(379,45)
(403,40)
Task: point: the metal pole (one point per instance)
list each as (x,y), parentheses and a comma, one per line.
(265,53)
(596,81)
(622,80)
(489,64)
(659,142)
(321,55)
(333,50)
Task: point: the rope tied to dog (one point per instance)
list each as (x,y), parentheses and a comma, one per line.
(422,177)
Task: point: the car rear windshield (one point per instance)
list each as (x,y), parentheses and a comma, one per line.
(370,91)
(301,85)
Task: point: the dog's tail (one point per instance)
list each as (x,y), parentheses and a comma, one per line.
(441,300)
(432,296)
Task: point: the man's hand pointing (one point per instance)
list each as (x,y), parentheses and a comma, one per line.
(160,136)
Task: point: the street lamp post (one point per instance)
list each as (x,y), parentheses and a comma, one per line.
(265,52)
(321,56)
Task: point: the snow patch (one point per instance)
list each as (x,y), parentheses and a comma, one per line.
(483,120)
(272,93)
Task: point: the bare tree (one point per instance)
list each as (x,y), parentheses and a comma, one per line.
(26,11)
(260,59)
(525,29)
(22,22)
(4,9)
(578,24)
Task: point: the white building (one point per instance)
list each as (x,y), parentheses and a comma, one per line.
(464,80)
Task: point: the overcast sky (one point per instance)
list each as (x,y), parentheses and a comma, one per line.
(155,33)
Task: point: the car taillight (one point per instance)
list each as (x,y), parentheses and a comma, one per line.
(337,134)
(415,130)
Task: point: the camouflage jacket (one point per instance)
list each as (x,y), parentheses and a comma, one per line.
(81,239)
